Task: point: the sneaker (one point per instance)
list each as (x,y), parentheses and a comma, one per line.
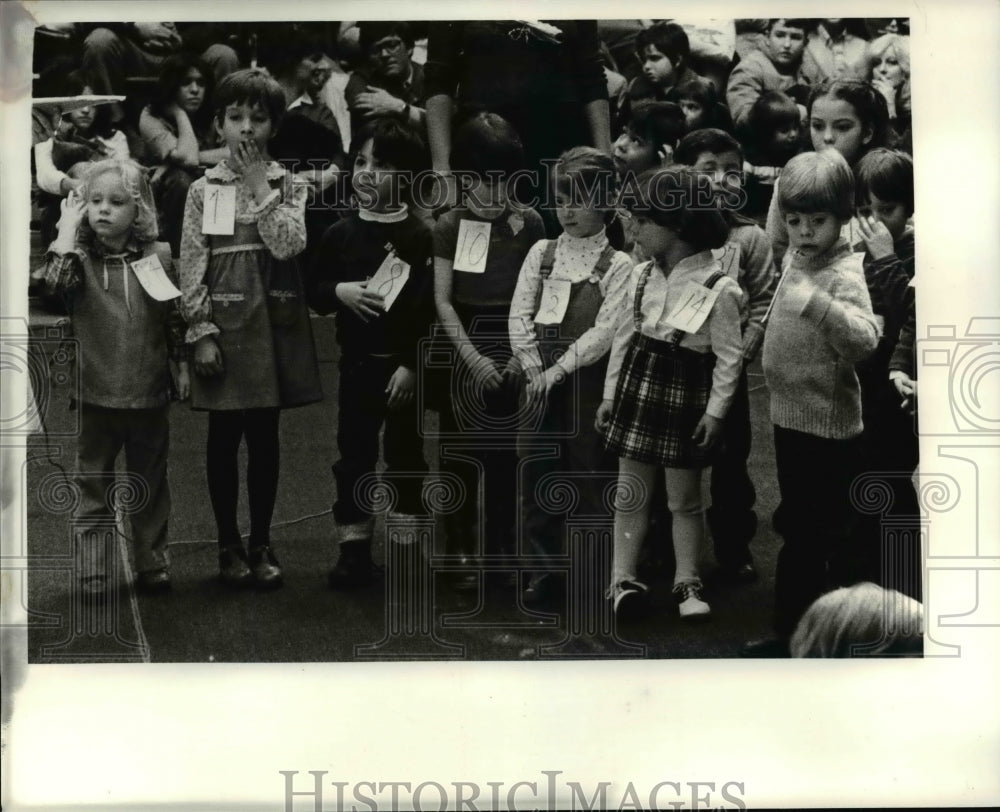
(630,599)
(691,603)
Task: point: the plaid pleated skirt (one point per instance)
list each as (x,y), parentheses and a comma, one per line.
(661,395)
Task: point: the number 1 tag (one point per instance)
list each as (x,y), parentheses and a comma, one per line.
(555,298)
(219,216)
(472,246)
(692,308)
(154,279)
(389,279)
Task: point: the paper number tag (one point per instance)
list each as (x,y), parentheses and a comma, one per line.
(555,298)
(729,256)
(154,279)
(219,216)
(389,279)
(472,246)
(692,308)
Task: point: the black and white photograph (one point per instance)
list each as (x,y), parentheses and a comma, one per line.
(378,391)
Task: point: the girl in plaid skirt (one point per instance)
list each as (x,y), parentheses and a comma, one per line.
(674,367)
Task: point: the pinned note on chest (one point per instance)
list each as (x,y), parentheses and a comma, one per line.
(554,301)
(219,215)
(154,280)
(692,307)
(472,246)
(389,279)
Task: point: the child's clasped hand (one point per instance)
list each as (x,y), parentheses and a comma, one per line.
(365,304)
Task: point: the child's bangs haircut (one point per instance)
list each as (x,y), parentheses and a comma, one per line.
(815,182)
(888,174)
(487,143)
(683,201)
(659,122)
(701,91)
(395,144)
(251,87)
(869,105)
(708,140)
(772,110)
(588,176)
(133,179)
(669,39)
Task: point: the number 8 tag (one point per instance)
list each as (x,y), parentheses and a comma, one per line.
(472,246)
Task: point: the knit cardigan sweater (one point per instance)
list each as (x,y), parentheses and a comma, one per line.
(821,326)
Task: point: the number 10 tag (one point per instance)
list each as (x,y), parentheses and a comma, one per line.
(219,216)
(692,308)
(472,246)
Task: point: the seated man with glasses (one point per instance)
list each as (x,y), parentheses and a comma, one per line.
(389,83)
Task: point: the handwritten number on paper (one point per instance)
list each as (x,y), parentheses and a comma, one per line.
(692,308)
(219,214)
(473,244)
(389,279)
(554,301)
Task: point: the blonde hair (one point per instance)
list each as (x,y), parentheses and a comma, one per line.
(815,182)
(133,178)
(896,44)
(858,621)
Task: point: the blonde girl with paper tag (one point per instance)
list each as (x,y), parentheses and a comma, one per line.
(248,324)
(562,319)
(674,368)
(479,247)
(122,297)
(374,270)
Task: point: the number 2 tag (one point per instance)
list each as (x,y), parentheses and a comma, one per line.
(472,246)
(219,215)
(692,308)
(555,298)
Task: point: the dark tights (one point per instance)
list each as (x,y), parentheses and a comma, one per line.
(225,431)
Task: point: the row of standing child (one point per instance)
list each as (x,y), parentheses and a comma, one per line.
(664,402)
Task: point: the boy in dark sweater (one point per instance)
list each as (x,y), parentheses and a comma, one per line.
(373,269)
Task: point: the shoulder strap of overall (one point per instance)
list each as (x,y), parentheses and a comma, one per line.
(713,279)
(639,288)
(548,259)
(604,262)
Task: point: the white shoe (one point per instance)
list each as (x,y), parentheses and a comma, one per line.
(691,603)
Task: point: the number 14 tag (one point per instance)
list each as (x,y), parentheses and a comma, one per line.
(692,308)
